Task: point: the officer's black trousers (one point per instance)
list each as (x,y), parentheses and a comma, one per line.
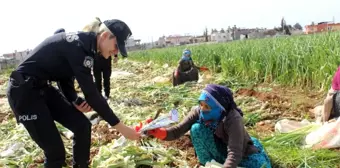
(37,108)
(97,73)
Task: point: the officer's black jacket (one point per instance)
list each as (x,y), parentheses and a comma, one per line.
(63,56)
(102,63)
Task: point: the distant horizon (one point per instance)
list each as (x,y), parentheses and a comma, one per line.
(189,34)
(29,23)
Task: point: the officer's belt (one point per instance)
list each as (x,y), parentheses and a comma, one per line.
(22,78)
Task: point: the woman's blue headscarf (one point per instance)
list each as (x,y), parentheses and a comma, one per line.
(220,99)
(215,111)
(186,55)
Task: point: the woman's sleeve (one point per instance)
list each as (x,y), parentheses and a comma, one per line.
(179,130)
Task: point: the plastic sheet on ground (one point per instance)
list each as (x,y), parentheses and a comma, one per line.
(325,137)
(286,126)
(118,74)
(11,151)
(161,79)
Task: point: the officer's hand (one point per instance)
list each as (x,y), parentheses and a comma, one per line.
(83,107)
(127,132)
(115,59)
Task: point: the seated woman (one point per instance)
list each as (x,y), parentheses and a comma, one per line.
(186,70)
(334,113)
(217,131)
(329,100)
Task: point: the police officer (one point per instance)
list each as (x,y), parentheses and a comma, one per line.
(36,104)
(102,67)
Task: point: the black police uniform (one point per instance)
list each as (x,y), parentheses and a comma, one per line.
(102,67)
(36,104)
(60,30)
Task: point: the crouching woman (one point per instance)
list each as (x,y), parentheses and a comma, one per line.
(217,132)
(186,70)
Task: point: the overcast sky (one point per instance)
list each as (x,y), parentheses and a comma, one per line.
(25,23)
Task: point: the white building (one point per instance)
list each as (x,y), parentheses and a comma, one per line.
(161,41)
(18,56)
(131,42)
(149,45)
(219,36)
(178,39)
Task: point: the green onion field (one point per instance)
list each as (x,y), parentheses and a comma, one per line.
(272,79)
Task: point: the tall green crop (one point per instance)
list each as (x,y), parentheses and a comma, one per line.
(304,61)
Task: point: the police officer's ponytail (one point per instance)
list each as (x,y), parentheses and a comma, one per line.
(96,26)
(93,26)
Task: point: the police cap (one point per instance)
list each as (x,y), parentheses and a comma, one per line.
(122,32)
